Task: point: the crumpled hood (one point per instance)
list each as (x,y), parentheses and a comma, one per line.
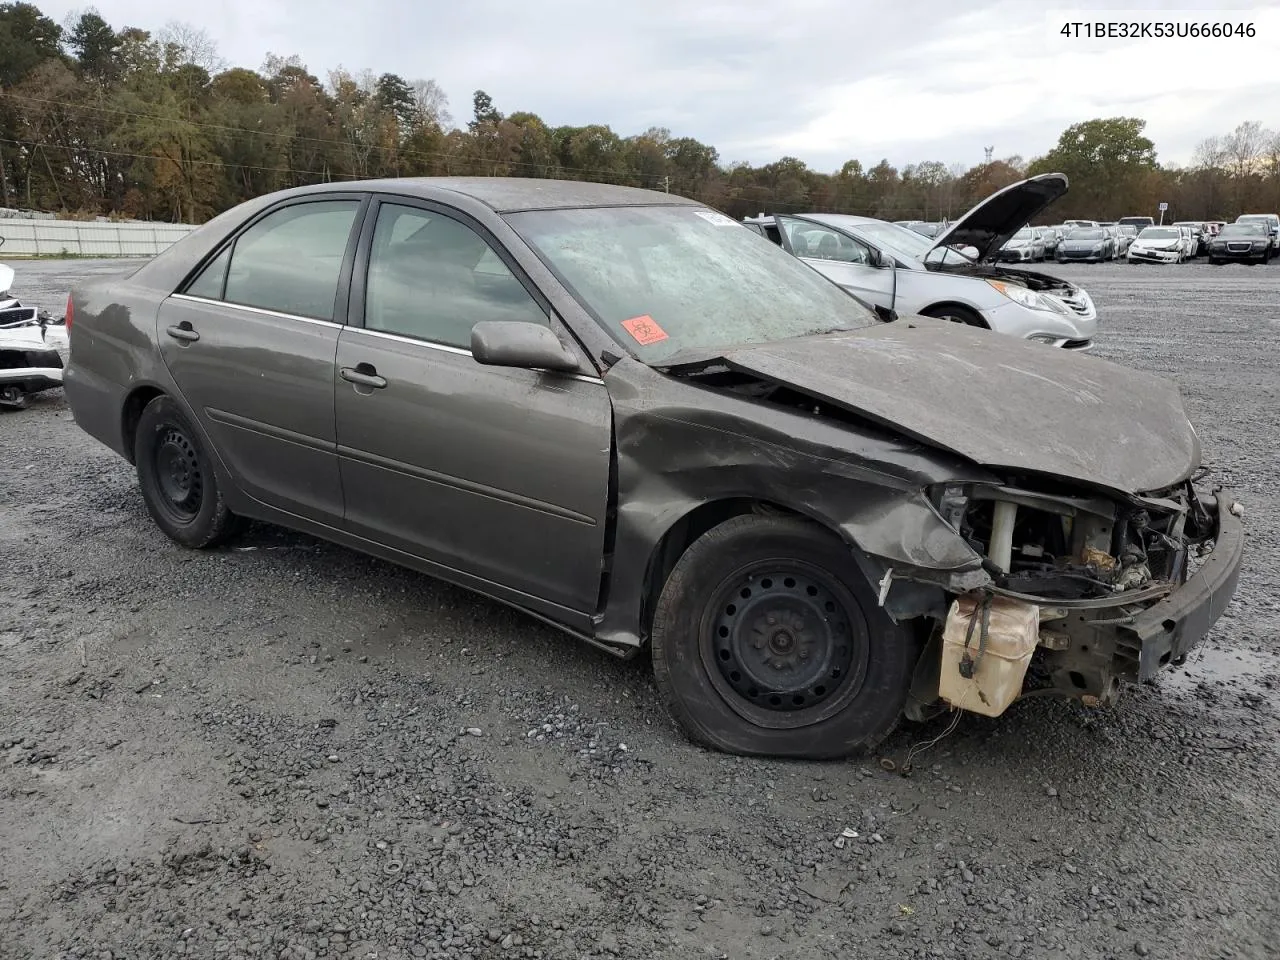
(1000,401)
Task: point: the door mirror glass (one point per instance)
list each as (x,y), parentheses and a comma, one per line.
(513,343)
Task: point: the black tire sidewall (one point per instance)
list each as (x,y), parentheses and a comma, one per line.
(213,519)
(965,316)
(694,699)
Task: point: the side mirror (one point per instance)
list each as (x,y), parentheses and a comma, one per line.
(529,346)
(885,262)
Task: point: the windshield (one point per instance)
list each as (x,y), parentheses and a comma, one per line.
(1159,233)
(674,280)
(1081,233)
(1253,218)
(1254,229)
(1023,234)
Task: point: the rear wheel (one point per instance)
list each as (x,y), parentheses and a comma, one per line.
(177,478)
(955,314)
(768,641)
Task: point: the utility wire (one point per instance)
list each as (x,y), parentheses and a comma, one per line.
(396,151)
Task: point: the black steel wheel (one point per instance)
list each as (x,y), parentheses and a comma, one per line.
(767,640)
(177,478)
(786,642)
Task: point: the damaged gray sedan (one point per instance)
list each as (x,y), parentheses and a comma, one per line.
(633,418)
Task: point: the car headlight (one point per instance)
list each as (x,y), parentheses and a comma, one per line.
(1021,295)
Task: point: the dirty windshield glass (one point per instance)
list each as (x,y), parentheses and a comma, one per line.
(1247,229)
(1159,233)
(684,280)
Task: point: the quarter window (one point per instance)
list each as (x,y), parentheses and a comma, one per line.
(433,278)
(289,261)
(209,283)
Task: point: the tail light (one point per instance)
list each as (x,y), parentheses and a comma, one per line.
(70,312)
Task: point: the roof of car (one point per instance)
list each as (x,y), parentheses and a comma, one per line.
(515,194)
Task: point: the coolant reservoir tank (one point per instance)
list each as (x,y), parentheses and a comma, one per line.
(998,673)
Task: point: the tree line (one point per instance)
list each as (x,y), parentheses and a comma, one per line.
(125,122)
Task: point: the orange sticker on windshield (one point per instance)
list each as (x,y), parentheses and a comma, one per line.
(644,330)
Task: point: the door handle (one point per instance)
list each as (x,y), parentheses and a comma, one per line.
(363,375)
(183,331)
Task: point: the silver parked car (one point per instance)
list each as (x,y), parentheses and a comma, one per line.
(1087,244)
(1027,245)
(622,412)
(1126,233)
(954,276)
(1051,237)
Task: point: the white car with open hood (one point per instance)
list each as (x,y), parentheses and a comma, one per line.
(954,276)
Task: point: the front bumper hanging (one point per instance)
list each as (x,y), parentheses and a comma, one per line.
(1170,629)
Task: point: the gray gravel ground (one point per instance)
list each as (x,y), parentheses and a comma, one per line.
(287,750)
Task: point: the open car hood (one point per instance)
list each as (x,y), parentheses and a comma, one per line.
(990,224)
(1004,403)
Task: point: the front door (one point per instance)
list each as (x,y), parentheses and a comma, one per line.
(250,343)
(840,258)
(501,474)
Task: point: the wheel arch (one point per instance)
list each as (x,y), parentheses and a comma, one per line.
(956,305)
(681,534)
(131,413)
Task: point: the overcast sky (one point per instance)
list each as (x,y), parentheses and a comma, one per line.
(822,80)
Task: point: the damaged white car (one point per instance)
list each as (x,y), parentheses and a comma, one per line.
(33,348)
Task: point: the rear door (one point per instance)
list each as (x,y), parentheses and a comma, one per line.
(839,257)
(250,342)
(501,474)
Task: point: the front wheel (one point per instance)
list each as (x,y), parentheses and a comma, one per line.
(768,641)
(955,314)
(177,478)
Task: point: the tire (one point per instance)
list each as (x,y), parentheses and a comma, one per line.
(728,694)
(956,315)
(177,478)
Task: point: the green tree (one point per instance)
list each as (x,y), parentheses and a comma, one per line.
(1106,163)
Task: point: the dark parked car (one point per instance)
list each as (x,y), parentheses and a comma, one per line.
(1249,241)
(1140,223)
(1090,244)
(639,421)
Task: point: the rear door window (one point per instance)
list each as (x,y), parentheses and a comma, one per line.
(289,262)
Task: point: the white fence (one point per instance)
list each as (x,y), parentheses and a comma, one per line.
(90,238)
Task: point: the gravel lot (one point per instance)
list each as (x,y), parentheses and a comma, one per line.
(287,750)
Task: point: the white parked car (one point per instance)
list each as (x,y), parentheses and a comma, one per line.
(1158,245)
(894,268)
